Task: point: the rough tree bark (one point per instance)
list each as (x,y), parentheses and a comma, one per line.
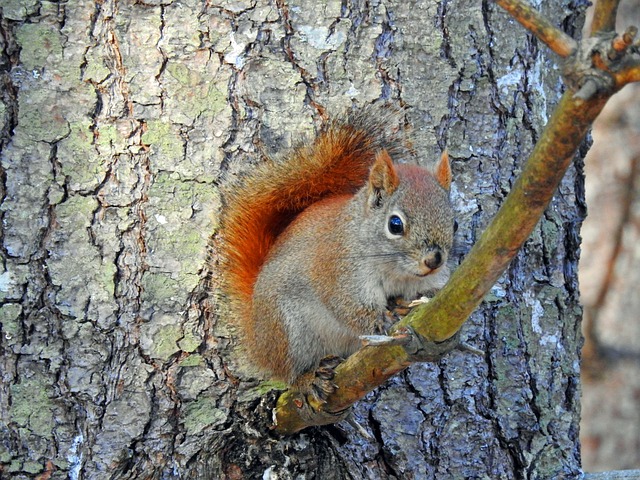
(120,120)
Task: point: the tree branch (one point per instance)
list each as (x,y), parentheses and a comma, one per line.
(532,20)
(604,16)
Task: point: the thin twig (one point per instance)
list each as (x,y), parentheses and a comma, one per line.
(591,350)
(532,20)
(624,41)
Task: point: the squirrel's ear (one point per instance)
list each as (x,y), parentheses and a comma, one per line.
(443,171)
(383,178)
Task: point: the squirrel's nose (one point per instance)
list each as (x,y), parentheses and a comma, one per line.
(433,259)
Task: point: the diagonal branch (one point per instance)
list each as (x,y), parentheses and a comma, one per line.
(532,20)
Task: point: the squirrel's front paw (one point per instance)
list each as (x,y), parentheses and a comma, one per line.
(314,388)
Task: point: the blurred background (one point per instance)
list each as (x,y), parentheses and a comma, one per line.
(610,282)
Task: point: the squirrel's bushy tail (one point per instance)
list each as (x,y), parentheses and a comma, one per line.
(269,198)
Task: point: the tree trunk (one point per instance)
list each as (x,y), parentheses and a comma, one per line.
(121,119)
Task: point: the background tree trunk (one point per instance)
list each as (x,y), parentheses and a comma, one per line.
(120,121)
(609,278)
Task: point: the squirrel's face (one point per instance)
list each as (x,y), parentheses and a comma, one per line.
(415,218)
(410,212)
(418,226)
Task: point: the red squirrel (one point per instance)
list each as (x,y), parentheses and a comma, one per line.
(315,246)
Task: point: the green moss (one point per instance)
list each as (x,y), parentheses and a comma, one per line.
(550,231)
(76,212)
(506,316)
(79,158)
(3,112)
(110,139)
(107,134)
(165,341)
(80,139)
(192,361)
(38,41)
(106,278)
(41,116)
(9,313)
(163,140)
(202,413)
(31,407)
(186,245)
(18,9)
(11,283)
(182,74)
(5,456)
(189,342)
(194,93)
(95,68)
(158,287)
(216,99)
(61,463)
(32,467)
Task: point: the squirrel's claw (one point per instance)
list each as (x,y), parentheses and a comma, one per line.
(322,384)
(315,390)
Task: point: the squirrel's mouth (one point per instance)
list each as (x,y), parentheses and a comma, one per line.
(427,271)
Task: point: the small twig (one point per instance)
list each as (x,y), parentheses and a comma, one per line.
(588,89)
(532,20)
(622,42)
(592,347)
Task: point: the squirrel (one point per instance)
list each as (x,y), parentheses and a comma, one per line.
(314,247)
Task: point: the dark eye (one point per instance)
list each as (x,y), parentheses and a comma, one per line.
(396,227)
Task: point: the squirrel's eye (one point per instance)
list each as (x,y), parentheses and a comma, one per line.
(396,227)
